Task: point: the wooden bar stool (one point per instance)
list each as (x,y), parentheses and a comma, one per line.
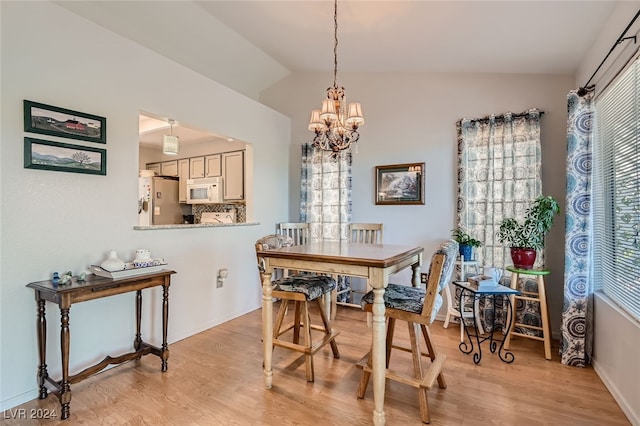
(540,297)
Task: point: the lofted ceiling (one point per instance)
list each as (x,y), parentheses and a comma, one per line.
(250,45)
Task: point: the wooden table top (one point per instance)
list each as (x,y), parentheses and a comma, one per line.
(93,282)
(375,255)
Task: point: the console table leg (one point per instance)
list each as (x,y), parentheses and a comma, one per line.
(65,391)
(138,340)
(42,347)
(165,321)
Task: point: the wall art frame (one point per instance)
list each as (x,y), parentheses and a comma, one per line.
(65,123)
(64,157)
(400,184)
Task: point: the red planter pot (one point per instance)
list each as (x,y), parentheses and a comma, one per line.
(523,258)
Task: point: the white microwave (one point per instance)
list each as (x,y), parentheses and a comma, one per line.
(204,190)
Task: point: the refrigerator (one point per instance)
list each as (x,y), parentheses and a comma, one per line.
(158,201)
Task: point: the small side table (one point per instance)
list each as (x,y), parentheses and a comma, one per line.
(492,293)
(541,298)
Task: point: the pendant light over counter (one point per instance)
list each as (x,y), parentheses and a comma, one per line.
(170,143)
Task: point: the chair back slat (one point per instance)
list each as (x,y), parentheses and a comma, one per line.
(435,273)
(297,231)
(366,233)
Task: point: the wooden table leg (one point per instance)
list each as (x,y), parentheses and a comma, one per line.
(379,347)
(65,389)
(42,346)
(267,327)
(165,322)
(415,274)
(138,340)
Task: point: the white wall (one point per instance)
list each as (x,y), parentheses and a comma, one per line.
(411,118)
(616,349)
(53,221)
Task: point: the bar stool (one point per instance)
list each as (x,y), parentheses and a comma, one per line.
(540,297)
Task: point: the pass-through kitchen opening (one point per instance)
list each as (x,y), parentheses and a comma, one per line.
(190,176)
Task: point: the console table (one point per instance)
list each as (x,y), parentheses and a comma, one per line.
(80,291)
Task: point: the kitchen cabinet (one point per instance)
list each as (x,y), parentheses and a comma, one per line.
(183,174)
(196,167)
(212,165)
(154,167)
(233,176)
(169,168)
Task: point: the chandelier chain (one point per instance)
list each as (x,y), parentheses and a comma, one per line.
(335,44)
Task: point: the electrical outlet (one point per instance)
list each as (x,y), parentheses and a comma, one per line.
(424,277)
(222,275)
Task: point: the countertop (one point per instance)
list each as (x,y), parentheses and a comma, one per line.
(195,225)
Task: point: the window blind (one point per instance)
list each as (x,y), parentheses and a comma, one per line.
(616,190)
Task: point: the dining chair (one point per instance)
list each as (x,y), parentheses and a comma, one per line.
(301,289)
(366,233)
(298,231)
(418,307)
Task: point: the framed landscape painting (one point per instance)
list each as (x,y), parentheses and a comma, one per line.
(400,184)
(65,123)
(63,157)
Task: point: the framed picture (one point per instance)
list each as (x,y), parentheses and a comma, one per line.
(55,121)
(400,184)
(64,157)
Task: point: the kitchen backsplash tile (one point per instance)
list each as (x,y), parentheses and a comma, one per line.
(241,210)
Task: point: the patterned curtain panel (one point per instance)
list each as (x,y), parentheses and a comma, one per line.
(325,199)
(577,312)
(499,175)
(326,194)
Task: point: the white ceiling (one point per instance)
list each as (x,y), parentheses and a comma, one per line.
(261,41)
(153,129)
(250,45)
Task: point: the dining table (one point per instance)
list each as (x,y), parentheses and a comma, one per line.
(375,262)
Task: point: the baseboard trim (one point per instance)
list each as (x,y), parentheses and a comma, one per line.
(634,418)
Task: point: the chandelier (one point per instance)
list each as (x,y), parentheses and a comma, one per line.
(336,124)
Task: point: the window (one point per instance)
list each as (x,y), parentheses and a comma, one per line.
(616,190)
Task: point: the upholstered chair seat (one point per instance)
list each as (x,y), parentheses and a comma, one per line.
(311,285)
(405,298)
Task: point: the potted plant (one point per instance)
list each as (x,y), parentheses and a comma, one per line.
(465,242)
(526,238)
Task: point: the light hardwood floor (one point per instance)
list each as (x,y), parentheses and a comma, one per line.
(215,378)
